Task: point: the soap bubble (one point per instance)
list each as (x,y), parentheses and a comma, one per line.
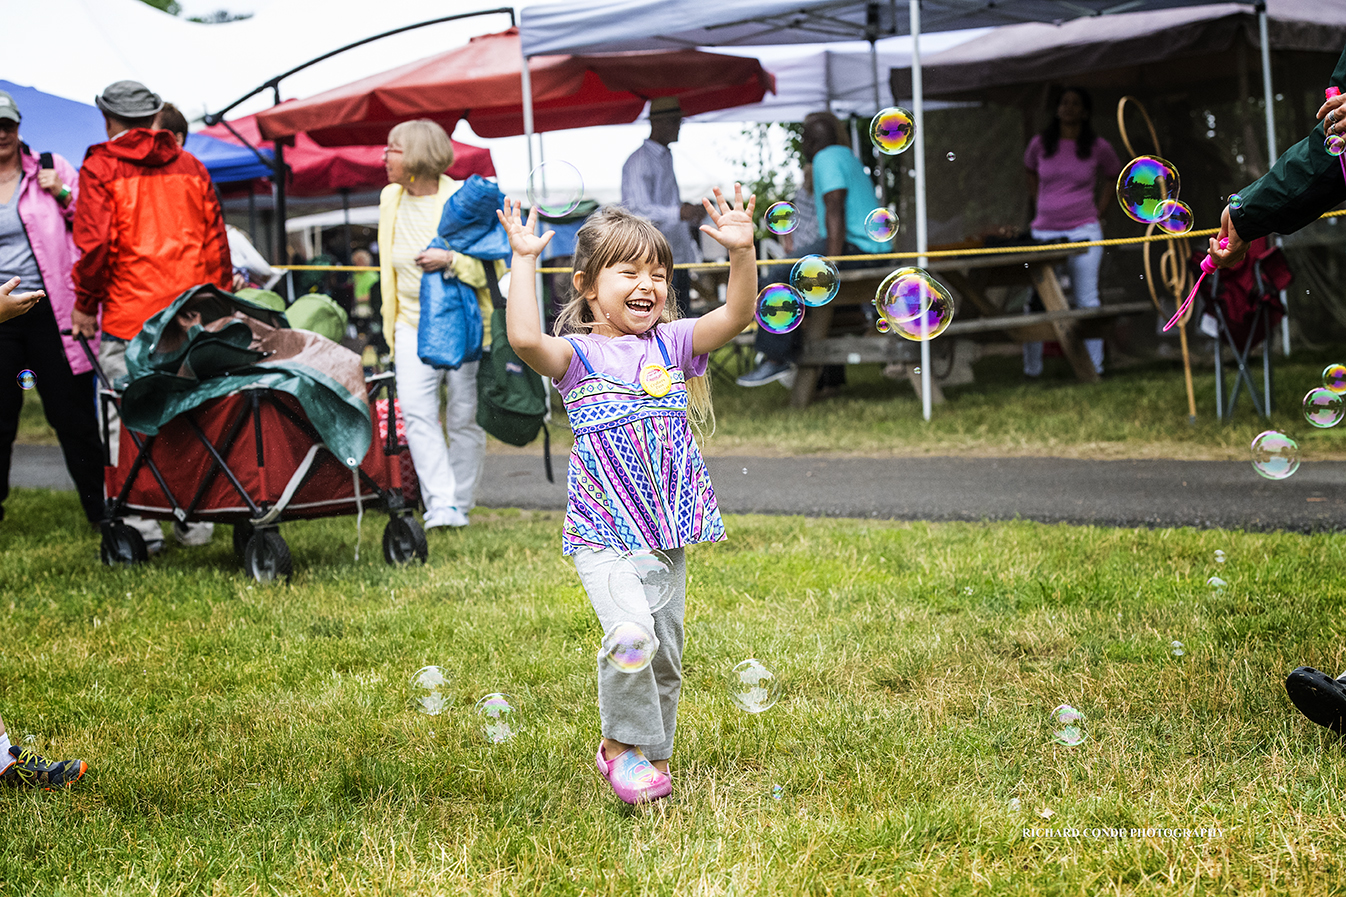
(882,326)
(1216,583)
(1335,144)
(1235,201)
(781,218)
(1068,726)
(916,305)
(1323,408)
(643,580)
(881,225)
(555,188)
(1275,455)
(430,690)
(1143,186)
(780,308)
(629,647)
(1175,217)
(753,687)
(1219,556)
(27,379)
(777,792)
(951,157)
(815,279)
(1176,648)
(499,719)
(1015,805)
(893,130)
(1334,378)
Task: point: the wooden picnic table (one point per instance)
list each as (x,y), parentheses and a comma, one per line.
(968,276)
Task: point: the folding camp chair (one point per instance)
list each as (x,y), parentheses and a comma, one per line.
(1241,309)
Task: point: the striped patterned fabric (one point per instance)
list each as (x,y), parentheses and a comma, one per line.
(637,479)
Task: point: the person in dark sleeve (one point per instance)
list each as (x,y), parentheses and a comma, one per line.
(1303,184)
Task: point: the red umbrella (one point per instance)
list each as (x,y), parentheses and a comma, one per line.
(321,171)
(481,82)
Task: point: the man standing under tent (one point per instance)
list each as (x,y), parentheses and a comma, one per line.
(1304,183)
(148,225)
(843,196)
(650,189)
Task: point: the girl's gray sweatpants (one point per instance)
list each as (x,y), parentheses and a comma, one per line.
(638,708)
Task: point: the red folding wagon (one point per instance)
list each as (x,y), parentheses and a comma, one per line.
(252,459)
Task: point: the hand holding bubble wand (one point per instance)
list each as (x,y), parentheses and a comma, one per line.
(1207,267)
(1335,144)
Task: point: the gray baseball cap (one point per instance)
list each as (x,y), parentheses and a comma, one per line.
(129,99)
(8,108)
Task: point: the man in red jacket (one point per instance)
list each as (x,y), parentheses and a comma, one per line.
(148,226)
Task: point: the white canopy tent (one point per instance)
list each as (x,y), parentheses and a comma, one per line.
(837,76)
(581,26)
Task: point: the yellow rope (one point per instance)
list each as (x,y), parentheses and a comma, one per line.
(885,256)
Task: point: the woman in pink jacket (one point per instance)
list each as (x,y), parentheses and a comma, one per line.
(37,205)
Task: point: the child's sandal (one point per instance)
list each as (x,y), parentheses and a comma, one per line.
(632,777)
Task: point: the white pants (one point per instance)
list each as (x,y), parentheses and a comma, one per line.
(448,472)
(1083,288)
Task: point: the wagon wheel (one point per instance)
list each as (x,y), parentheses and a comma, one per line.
(122,545)
(404,541)
(267,557)
(242,533)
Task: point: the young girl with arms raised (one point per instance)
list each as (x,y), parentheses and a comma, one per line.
(629,373)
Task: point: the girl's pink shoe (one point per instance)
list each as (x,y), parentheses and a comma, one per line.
(632,777)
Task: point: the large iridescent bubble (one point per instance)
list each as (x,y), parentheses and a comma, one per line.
(1144,185)
(780,308)
(893,130)
(1275,455)
(781,218)
(881,225)
(914,304)
(1175,217)
(555,188)
(815,279)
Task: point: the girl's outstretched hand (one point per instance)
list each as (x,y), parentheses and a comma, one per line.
(523,238)
(732,225)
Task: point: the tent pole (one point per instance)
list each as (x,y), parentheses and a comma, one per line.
(346,225)
(922,238)
(1271,145)
(878,104)
(526,79)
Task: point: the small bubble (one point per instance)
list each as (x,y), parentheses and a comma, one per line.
(1216,582)
(1219,556)
(916,371)
(1176,648)
(951,157)
(777,792)
(27,379)
(1014,804)
(745,471)
(1068,726)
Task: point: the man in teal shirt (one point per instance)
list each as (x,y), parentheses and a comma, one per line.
(844,196)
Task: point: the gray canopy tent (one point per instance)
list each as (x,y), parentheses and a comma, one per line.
(1199,53)
(610,25)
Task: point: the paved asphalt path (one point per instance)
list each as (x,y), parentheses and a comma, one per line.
(1225,494)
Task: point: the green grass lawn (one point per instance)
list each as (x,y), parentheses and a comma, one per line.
(256,740)
(1137,412)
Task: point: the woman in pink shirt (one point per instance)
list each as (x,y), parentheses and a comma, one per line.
(1071,171)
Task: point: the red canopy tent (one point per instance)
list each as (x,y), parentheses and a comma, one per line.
(482,83)
(321,171)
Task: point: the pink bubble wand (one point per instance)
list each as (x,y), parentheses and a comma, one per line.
(1207,266)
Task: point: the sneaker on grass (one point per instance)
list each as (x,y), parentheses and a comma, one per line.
(767,372)
(1319,697)
(31,771)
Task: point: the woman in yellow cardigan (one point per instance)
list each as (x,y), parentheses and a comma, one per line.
(409,211)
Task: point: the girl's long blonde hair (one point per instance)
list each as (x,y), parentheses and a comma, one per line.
(610,237)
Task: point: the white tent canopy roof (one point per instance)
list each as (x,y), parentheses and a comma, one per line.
(594,26)
(837,76)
